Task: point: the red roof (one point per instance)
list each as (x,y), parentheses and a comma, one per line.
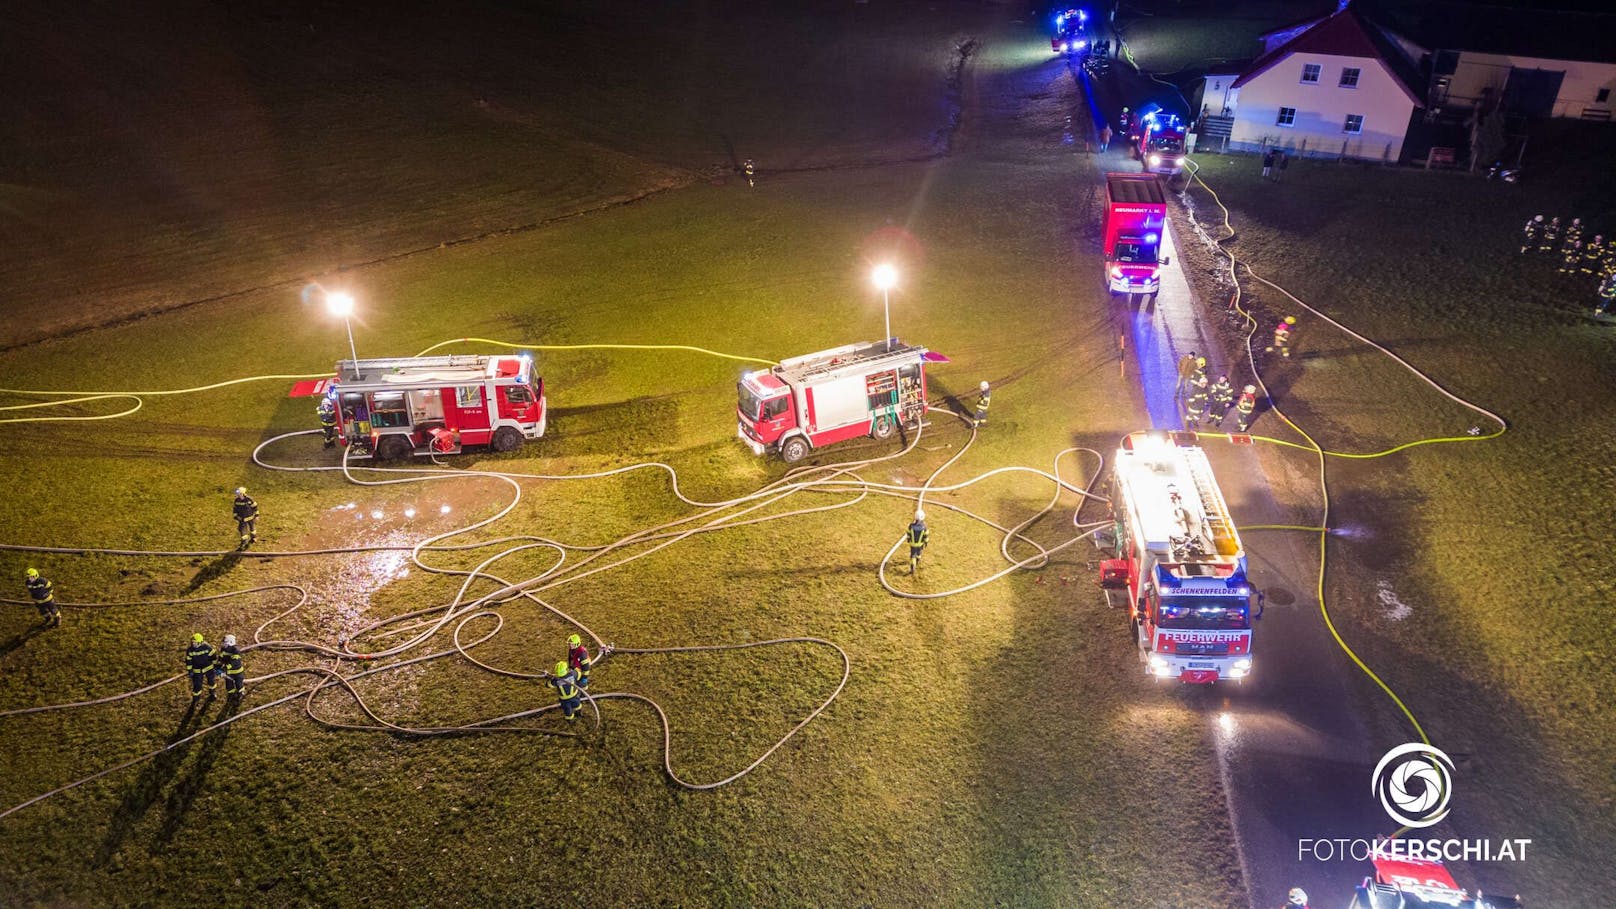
(1345,34)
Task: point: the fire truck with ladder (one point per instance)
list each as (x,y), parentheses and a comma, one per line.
(808,402)
(1179,562)
(403,406)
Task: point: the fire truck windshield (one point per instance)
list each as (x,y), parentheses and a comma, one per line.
(748,402)
(1205,613)
(1136,251)
(1173,144)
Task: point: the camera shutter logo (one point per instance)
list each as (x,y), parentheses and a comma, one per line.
(1414,783)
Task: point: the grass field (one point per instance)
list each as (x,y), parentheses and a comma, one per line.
(986,744)
(1490,546)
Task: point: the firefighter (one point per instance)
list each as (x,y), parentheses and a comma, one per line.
(1282,337)
(1296,899)
(982,404)
(200,658)
(229,664)
(568,694)
(327,412)
(751,172)
(1222,394)
(1198,375)
(1570,257)
(1530,232)
(1573,233)
(579,661)
(1607,298)
(1593,255)
(1551,234)
(917,537)
(1244,406)
(1124,122)
(246,511)
(1195,401)
(43,593)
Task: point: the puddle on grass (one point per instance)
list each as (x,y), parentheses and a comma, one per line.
(1395,609)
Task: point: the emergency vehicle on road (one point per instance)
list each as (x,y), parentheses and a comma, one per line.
(1178,562)
(395,408)
(1071,32)
(1135,216)
(1411,883)
(1161,144)
(823,398)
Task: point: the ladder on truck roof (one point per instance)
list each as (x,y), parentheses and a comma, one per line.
(1214,511)
(866,355)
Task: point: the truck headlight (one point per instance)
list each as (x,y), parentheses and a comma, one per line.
(1159,665)
(1240,668)
(1155,160)
(1116,271)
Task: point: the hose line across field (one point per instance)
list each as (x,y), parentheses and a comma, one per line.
(393,642)
(1323,454)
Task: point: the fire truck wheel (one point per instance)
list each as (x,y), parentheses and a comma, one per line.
(794,449)
(883,428)
(392,448)
(507,438)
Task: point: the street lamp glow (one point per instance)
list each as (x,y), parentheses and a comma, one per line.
(885,277)
(339,304)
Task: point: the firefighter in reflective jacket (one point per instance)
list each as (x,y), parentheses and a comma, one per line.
(43,593)
(1550,235)
(916,538)
(1570,257)
(327,412)
(1593,255)
(1244,407)
(200,658)
(1222,399)
(1282,337)
(229,663)
(1195,400)
(567,690)
(1607,300)
(246,511)
(578,659)
(982,405)
(751,172)
(1530,232)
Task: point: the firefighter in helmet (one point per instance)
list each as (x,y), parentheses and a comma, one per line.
(327,412)
(200,660)
(43,593)
(1282,337)
(751,172)
(1593,255)
(229,664)
(1550,235)
(1530,232)
(1222,394)
(1570,256)
(982,404)
(1245,406)
(1607,297)
(1195,401)
(1573,233)
(579,661)
(568,694)
(246,512)
(1296,899)
(917,536)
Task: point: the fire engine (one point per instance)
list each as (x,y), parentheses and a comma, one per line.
(820,399)
(1161,144)
(1135,216)
(394,408)
(1178,561)
(1071,32)
(1411,883)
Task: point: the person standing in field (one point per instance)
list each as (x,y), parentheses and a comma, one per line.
(1267,164)
(1281,161)
(1222,394)
(1105,138)
(917,536)
(1529,233)
(1186,368)
(43,593)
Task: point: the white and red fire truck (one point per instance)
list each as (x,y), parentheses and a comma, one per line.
(1178,562)
(1411,883)
(1135,216)
(394,408)
(1161,144)
(823,398)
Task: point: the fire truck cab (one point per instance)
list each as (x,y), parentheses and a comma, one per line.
(820,399)
(1179,562)
(1071,32)
(1411,883)
(1161,144)
(395,408)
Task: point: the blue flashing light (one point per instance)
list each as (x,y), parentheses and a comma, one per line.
(1151,238)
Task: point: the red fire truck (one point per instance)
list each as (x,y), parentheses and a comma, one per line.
(394,408)
(823,398)
(1161,144)
(1178,562)
(1411,883)
(1135,215)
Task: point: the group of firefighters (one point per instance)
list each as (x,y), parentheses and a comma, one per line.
(1595,258)
(571,676)
(1208,402)
(204,664)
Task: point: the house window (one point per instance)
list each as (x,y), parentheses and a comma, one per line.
(1354,124)
(1287,116)
(1310,73)
(1349,77)
(1603,96)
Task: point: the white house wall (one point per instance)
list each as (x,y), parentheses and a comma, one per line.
(1578,91)
(1322,109)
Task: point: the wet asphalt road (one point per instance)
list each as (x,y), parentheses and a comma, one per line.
(1294,752)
